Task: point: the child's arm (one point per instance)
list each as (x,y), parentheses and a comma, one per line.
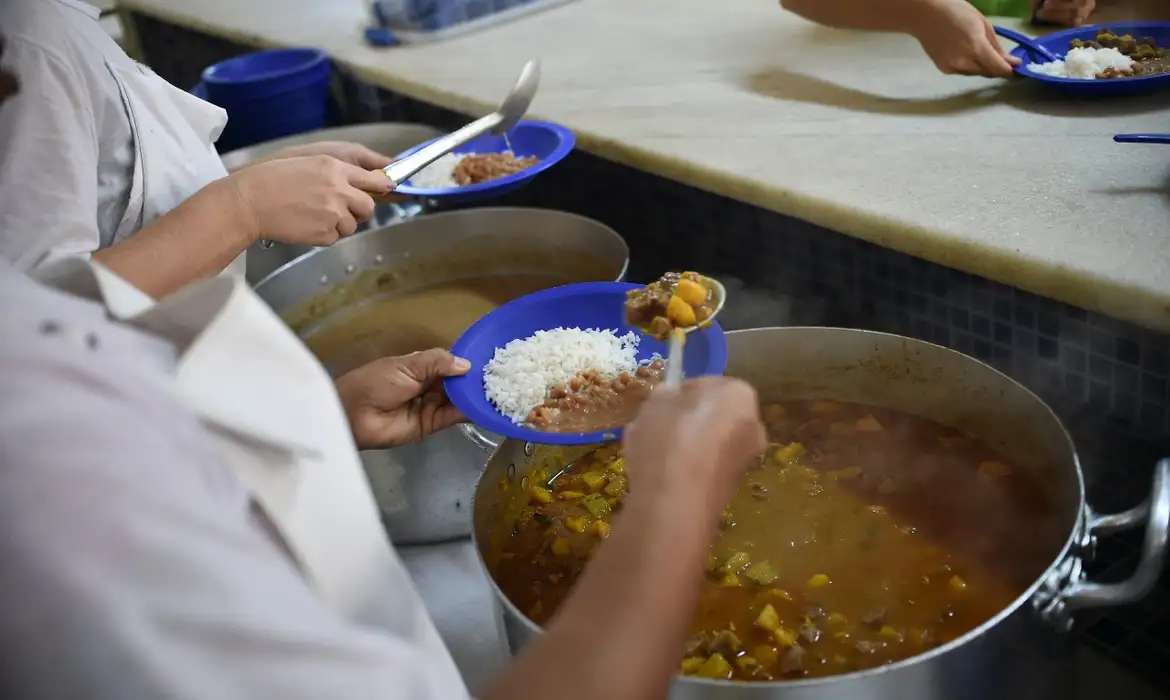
(953,33)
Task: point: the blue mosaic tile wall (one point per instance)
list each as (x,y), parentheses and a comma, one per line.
(1106,378)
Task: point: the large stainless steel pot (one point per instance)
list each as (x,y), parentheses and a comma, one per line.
(389,138)
(1022,652)
(425,490)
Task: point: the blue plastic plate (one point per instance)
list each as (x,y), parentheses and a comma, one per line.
(1058,43)
(550,143)
(586,305)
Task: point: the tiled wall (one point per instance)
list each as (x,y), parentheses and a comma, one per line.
(1107,379)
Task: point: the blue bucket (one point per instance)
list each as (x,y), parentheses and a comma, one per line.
(268,94)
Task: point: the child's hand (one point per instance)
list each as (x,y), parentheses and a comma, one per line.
(960,40)
(1070,13)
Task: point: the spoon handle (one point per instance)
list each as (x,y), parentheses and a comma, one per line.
(1027,42)
(401,170)
(1142,138)
(674,361)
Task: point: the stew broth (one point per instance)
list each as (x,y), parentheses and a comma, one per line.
(415,319)
(863,537)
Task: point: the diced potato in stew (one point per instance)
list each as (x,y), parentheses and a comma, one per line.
(677,300)
(848,548)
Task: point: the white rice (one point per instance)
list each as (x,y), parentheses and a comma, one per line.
(520,374)
(1084,63)
(439,175)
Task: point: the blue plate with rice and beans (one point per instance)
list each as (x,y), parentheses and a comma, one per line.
(1087,53)
(568,346)
(529,148)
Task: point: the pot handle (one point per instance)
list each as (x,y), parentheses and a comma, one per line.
(477,438)
(1155,512)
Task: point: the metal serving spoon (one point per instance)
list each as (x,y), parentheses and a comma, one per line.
(674,356)
(512,110)
(498,122)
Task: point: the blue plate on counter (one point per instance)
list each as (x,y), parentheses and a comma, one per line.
(1058,44)
(587,305)
(548,142)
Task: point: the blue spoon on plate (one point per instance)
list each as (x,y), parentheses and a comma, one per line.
(1028,42)
(1142,138)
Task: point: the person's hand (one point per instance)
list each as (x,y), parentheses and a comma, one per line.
(396,400)
(344,151)
(307,200)
(700,437)
(960,40)
(1069,13)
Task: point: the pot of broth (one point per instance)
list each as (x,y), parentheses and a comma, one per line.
(916,530)
(420,284)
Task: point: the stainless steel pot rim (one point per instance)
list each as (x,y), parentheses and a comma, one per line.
(461,213)
(1024,598)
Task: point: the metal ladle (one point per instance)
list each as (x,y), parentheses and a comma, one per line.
(511,111)
(498,122)
(674,355)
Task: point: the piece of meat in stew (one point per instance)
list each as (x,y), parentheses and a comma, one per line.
(676,300)
(863,537)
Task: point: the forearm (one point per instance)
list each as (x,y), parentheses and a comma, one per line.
(621,633)
(872,15)
(194,241)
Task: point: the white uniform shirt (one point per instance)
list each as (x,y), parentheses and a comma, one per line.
(66,151)
(135,564)
(95,147)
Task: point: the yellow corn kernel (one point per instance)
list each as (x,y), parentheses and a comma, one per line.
(768,619)
(784,637)
(887,632)
(602,529)
(617,465)
(576,524)
(692,665)
(993,468)
(691,292)
(594,481)
(540,494)
(780,593)
(561,548)
(570,495)
(680,313)
(730,581)
(957,583)
(825,406)
(789,453)
(819,581)
(869,424)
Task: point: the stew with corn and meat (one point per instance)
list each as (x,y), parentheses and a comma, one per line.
(864,536)
(677,300)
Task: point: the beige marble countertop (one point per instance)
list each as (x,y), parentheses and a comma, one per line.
(855,132)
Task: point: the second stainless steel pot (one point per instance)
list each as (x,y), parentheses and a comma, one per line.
(425,490)
(1021,653)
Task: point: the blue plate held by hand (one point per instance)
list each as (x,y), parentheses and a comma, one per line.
(587,305)
(548,143)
